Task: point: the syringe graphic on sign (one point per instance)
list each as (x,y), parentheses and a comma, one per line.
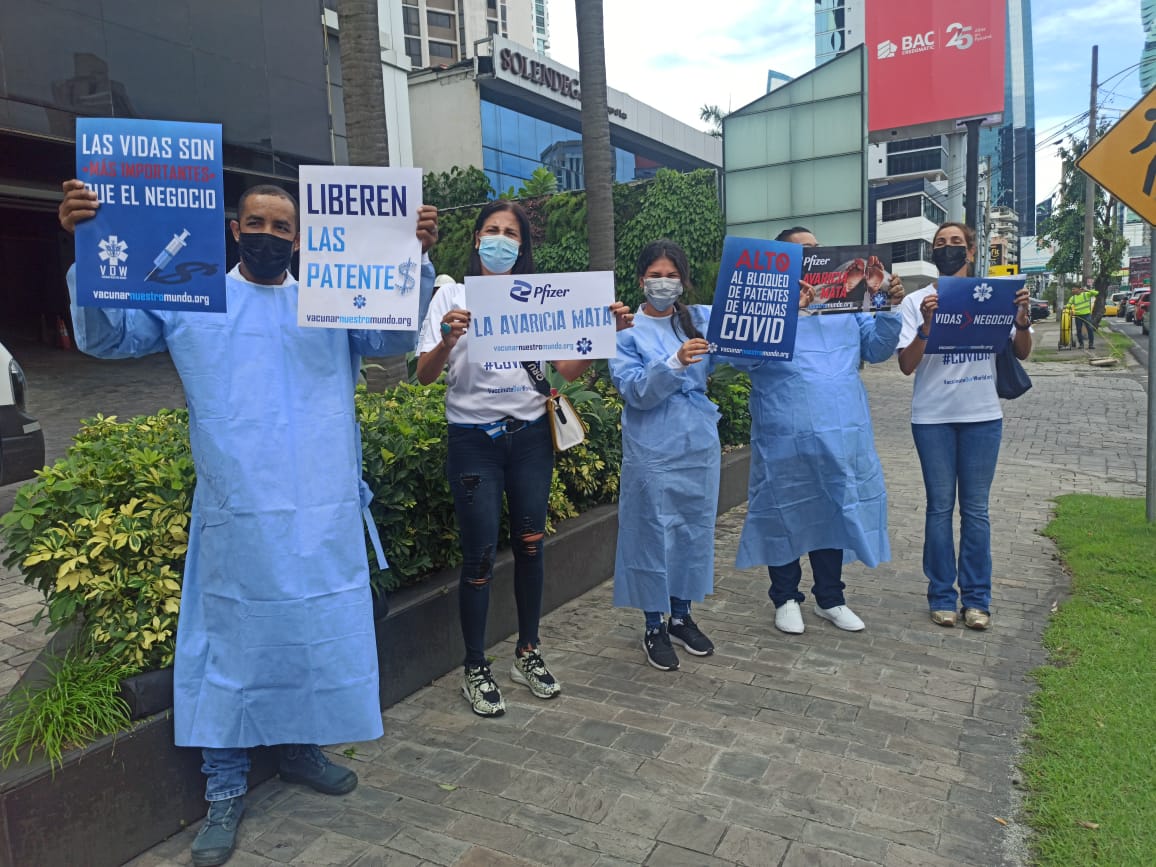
(406,269)
(172,248)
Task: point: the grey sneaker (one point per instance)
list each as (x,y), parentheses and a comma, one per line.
(306,764)
(481,691)
(530,669)
(215,841)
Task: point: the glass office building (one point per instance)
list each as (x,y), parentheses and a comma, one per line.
(512,110)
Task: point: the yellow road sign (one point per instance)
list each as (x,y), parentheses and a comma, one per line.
(1003,270)
(1123,161)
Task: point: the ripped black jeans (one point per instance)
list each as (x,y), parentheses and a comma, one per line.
(480,470)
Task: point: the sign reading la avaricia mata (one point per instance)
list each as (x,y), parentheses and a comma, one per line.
(756,299)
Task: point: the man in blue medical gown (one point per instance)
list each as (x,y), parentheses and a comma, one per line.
(275,642)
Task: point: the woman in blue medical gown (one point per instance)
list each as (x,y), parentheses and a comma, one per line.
(816,484)
(668,494)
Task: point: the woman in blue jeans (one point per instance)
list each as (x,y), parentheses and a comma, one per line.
(957,422)
(499,444)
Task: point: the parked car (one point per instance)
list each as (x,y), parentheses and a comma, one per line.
(1143,303)
(1112,305)
(1040,309)
(21,439)
(1130,304)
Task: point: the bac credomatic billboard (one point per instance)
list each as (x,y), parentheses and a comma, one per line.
(934,60)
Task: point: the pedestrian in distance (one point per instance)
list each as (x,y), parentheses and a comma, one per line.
(668,488)
(1083,300)
(816,484)
(499,443)
(957,424)
(275,642)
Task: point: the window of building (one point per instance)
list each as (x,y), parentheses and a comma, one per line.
(412,20)
(442,51)
(901,209)
(492,27)
(933,212)
(413,51)
(918,161)
(914,144)
(439,19)
(911,251)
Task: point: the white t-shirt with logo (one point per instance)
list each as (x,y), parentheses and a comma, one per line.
(478,393)
(952,386)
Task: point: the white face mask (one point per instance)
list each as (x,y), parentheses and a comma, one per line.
(661,292)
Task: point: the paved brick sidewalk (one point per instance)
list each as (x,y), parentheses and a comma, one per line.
(893,746)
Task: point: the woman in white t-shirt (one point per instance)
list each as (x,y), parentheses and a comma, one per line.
(499,443)
(957,422)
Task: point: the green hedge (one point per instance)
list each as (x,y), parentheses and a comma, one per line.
(103,532)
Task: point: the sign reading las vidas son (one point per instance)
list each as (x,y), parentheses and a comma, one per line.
(1124,161)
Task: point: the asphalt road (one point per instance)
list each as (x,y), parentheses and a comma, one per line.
(1140,349)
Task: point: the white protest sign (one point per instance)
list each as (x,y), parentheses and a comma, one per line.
(527,317)
(360,256)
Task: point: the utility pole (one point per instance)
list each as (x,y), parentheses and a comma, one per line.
(1089,184)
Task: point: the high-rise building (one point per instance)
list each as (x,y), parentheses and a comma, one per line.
(1012,145)
(541,26)
(444,32)
(1148,58)
(839,25)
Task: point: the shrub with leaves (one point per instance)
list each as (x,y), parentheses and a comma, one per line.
(103,534)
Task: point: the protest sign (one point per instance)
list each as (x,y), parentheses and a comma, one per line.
(974,314)
(848,279)
(158,238)
(360,256)
(756,300)
(529,317)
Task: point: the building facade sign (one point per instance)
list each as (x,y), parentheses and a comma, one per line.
(520,66)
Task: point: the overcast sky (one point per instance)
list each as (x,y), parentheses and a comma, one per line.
(678,55)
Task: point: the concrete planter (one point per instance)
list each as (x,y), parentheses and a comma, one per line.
(120,795)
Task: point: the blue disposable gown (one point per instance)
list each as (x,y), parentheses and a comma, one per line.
(816,481)
(275,640)
(668,492)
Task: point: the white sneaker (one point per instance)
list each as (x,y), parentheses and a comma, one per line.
(789,618)
(841,616)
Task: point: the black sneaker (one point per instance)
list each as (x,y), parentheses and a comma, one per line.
(690,636)
(659,653)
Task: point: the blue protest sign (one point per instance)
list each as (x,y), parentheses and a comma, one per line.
(974,314)
(756,300)
(158,238)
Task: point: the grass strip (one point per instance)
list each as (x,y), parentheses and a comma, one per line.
(1091,762)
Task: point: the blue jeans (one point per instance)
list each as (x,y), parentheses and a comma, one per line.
(678,608)
(827,571)
(1084,323)
(227,771)
(480,470)
(960,456)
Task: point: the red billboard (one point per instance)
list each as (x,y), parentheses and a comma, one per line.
(934,60)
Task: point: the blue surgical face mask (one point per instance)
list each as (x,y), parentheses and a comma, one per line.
(498,253)
(662,292)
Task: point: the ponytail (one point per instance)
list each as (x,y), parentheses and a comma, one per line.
(682,321)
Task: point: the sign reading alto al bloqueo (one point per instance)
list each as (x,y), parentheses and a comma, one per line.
(531,317)
(158,238)
(756,300)
(360,256)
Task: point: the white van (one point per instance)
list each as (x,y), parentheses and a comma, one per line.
(21,439)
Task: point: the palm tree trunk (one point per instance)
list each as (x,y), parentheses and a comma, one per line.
(361,83)
(597,153)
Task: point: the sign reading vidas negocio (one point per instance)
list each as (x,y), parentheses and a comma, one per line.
(158,238)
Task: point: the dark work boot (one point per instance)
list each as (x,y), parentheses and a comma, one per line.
(215,841)
(306,764)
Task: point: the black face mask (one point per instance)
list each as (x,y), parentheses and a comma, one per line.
(265,256)
(949,260)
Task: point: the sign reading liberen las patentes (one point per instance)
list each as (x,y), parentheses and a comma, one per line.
(1123,160)
(158,238)
(973,315)
(531,317)
(756,299)
(360,255)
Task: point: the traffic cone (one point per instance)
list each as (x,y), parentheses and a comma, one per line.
(62,334)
